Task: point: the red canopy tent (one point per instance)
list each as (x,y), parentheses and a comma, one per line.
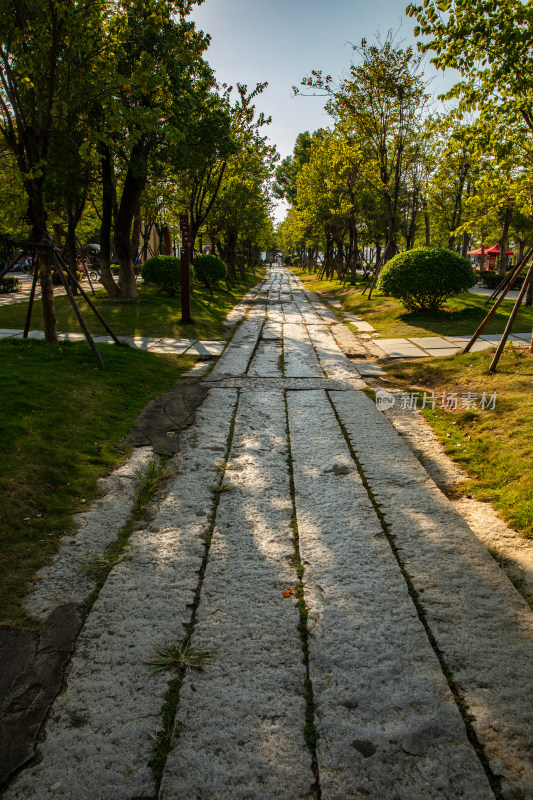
(491,254)
(495,251)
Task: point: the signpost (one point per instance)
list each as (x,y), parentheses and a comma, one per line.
(186,241)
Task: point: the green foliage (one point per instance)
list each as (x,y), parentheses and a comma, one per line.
(209,269)
(165,272)
(488,278)
(295,261)
(287,260)
(9,285)
(425,277)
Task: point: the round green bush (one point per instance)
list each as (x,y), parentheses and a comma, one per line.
(425,277)
(9,285)
(287,260)
(164,271)
(488,278)
(295,261)
(209,268)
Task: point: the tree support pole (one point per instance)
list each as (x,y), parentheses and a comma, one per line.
(509,279)
(511,320)
(77,311)
(494,308)
(11,264)
(90,303)
(32,298)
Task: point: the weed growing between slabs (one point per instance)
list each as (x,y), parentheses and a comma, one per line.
(495,447)
(153,314)
(310,731)
(460,317)
(100,565)
(61,422)
(177,657)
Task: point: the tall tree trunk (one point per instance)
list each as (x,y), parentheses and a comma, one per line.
(503,260)
(466,244)
(136,230)
(133,187)
(41,238)
(72,249)
(108,200)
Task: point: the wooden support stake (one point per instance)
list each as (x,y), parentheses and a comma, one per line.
(494,308)
(510,322)
(11,264)
(90,303)
(77,311)
(32,297)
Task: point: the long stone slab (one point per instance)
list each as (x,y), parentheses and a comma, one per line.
(431,342)
(387,723)
(235,359)
(400,348)
(482,626)
(99,735)
(240,723)
(331,358)
(300,360)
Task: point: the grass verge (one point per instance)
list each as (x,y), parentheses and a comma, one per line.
(495,447)
(61,421)
(153,314)
(460,317)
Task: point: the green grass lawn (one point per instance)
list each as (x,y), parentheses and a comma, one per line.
(60,424)
(461,315)
(494,447)
(153,314)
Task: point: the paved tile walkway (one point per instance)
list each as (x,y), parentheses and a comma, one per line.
(363,642)
(153,344)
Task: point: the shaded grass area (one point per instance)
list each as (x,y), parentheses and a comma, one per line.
(461,315)
(61,421)
(153,314)
(495,447)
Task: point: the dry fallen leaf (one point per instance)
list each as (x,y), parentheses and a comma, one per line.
(288,592)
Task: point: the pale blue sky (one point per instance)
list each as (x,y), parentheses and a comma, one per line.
(280,41)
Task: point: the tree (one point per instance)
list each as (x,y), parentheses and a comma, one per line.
(152,76)
(490,43)
(43,51)
(380,104)
(284,186)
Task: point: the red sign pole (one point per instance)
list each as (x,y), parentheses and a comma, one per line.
(185,269)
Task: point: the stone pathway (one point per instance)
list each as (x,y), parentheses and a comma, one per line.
(362,642)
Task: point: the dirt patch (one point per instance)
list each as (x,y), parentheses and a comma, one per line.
(33,668)
(165,416)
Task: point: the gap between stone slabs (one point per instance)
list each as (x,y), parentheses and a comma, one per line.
(480,623)
(387,723)
(240,723)
(98,742)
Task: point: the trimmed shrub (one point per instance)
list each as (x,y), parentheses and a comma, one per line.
(8,285)
(295,261)
(425,277)
(209,269)
(165,272)
(287,260)
(56,277)
(488,278)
